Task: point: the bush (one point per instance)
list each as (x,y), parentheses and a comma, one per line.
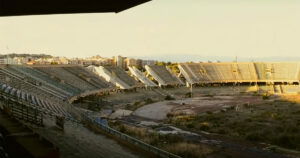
(204,126)
(188,95)
(122,129)
(190,125)
(209,112)
(265,96)
(149,101)
(189,150)
(255,136)
(285,140)
(169,98)
(136,103)
(208,95)
(248,120)
(169,115)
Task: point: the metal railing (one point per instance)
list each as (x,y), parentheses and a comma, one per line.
(159,152)
(23,109)
(20,110)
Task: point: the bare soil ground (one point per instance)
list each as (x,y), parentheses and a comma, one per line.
(120,99)
(193,106)
(240,123)
(235,120)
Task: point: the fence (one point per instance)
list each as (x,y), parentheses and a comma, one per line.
(20,110)
(129,139)
(26,113)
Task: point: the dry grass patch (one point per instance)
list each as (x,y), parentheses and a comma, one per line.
(133,131)
(291,98)
(189,150)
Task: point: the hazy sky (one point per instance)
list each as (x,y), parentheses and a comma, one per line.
(244,28)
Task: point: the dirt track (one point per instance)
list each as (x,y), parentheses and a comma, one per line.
(159,110)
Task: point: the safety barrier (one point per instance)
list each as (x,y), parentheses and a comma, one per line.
(129,139)
(21,110)
(26,111)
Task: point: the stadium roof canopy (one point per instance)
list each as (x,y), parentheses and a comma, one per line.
(38,7)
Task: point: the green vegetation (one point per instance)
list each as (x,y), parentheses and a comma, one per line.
(173,66)
(161,63)
(276,123)
(265,96)
(149,101)
(169,98)
(91,102)
(134,106)
(209,95)
(139,104)
(54,63)
(188,150)
(188,95)
(169,142)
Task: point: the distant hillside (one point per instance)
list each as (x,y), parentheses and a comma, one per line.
(25,55)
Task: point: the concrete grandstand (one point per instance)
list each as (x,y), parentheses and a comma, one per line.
(163,75)
(47,107)
(50,89)
(141,77)
(73,111)
(116,76)
(264,72)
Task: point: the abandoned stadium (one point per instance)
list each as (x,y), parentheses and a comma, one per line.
(45,98)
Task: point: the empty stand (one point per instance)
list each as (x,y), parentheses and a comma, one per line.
(116,76)
(247,72)
(32,100)
(285,72)
(141,77)
(240,72)
(162,75)
(22,83)
(45,81)
(92,78)
(67,77)
(56,83)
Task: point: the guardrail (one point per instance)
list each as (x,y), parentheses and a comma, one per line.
(20,110)
(26,111)
(129,139)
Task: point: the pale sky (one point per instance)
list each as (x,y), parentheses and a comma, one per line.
(244,28)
